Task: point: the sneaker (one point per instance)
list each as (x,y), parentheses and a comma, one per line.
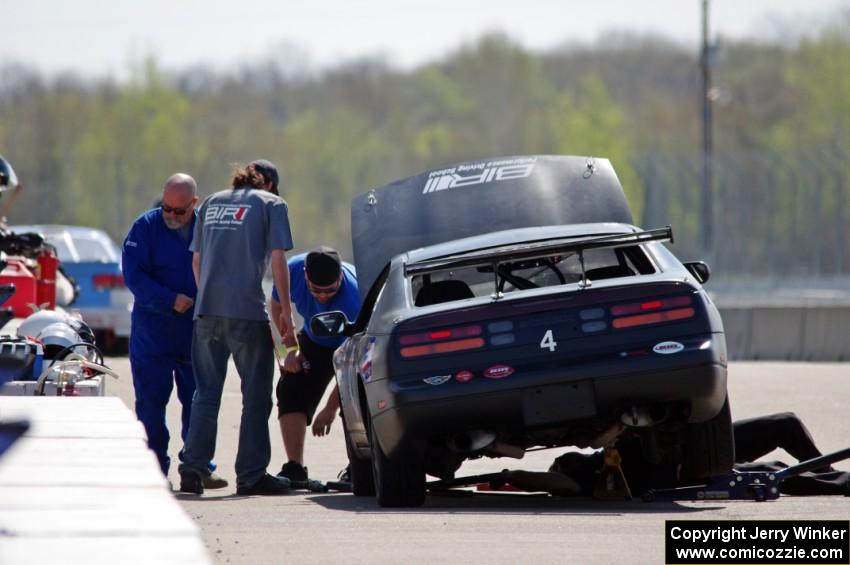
(213,481)
(267,485)
(344,476)
(191,481)
(293,471)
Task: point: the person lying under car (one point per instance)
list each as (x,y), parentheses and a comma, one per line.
(577,474)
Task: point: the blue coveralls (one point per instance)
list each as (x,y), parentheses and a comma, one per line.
(157,265)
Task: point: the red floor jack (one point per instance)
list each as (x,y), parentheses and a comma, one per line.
(745,485)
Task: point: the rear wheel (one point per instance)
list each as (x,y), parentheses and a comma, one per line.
(360,470)
(398,483)
(709,446)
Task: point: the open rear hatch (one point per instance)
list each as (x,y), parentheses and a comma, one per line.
(479,197)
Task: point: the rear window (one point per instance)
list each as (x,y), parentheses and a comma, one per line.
(554,270)
(94,250)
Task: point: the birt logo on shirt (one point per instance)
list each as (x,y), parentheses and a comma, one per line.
(226,215)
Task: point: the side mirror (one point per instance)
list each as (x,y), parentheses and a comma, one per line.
(8,179)
(331,324)
(700,270)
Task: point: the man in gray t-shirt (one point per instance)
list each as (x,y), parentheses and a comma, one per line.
(237,233)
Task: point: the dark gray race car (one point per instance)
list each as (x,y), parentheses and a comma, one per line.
(510,304)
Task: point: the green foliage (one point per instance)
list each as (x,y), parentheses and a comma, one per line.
(592,123)
(134,140)
(328,157)
(820,73)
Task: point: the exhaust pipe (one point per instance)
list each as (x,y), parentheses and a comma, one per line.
(642,416)
(470,441)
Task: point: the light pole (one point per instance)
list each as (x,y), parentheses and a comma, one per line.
(706,193)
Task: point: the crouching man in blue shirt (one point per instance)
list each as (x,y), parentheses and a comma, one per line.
(319,282)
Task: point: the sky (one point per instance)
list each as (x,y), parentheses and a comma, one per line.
(102,37)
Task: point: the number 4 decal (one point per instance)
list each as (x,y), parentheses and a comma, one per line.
(548,341)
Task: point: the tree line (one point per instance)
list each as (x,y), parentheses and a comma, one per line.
(96,152)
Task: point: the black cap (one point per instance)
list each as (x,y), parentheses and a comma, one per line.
(268,170)
(323,266)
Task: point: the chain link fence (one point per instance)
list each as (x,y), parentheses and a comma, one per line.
(776,216)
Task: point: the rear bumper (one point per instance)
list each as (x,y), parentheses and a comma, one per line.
(545,399)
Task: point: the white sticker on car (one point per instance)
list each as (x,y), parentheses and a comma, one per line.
(437,380)
(668,347)
(479,173)
(548,341)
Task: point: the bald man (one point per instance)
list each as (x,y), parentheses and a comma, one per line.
(157,268)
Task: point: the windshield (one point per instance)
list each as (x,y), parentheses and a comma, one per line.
(62,248)
(76,244)
(92,249)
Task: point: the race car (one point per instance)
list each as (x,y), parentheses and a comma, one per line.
(510,304)
(92,259)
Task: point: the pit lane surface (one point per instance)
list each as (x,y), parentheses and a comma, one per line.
(491,528)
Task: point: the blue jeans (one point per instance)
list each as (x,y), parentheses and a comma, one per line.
(214,340)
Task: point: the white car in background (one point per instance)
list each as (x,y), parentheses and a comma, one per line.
(91,258)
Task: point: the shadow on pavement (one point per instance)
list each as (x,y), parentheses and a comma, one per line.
(466,502)
(207,497)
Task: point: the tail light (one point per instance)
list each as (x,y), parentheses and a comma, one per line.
(443,340)
(108,281)
(652,312)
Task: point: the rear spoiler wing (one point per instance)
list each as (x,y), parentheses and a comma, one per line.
(536,249)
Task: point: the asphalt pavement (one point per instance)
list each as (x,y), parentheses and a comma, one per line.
(491,528)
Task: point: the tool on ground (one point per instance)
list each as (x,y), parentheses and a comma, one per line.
(311,485)
(745,485)
(339,486)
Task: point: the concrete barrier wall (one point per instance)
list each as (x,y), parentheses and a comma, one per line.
(807,333)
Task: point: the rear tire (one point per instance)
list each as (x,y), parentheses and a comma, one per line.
(709,448)
(360,470)
(399,483)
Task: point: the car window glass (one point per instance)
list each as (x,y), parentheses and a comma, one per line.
(62,249)
(94,250)
(517,276)
(60,239)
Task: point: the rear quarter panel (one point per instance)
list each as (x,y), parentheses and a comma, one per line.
(83,274)
(101,308)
